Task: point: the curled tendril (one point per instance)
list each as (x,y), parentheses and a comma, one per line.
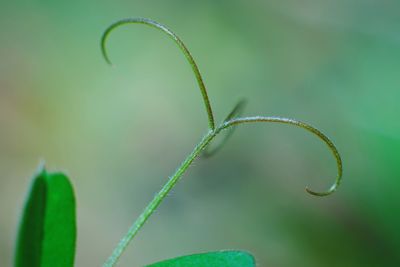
(229,124)
(236,111)
(177,41)
(236,121)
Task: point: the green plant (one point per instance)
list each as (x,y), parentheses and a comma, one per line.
(42,224)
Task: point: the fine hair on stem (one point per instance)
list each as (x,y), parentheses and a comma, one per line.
(231,121)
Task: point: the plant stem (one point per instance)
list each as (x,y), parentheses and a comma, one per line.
(149,210)
(173,180)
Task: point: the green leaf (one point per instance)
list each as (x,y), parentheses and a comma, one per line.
(211,259)
(47,232)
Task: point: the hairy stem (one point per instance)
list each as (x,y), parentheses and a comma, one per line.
(174,179)
(149,210)
(230,122)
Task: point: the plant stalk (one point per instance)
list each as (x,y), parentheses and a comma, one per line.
(159,197)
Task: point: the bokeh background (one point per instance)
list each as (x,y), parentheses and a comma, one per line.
(120,132)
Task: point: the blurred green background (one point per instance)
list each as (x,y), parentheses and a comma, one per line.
(120,132)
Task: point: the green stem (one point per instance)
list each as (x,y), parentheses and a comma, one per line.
(173,180)
(230,121)
(149,210)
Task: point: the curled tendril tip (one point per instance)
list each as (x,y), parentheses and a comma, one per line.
(181,46)
(231,121)
(307,127)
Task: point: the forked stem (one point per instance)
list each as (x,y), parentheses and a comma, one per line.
(230,122)
(236,112)
(174,179)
